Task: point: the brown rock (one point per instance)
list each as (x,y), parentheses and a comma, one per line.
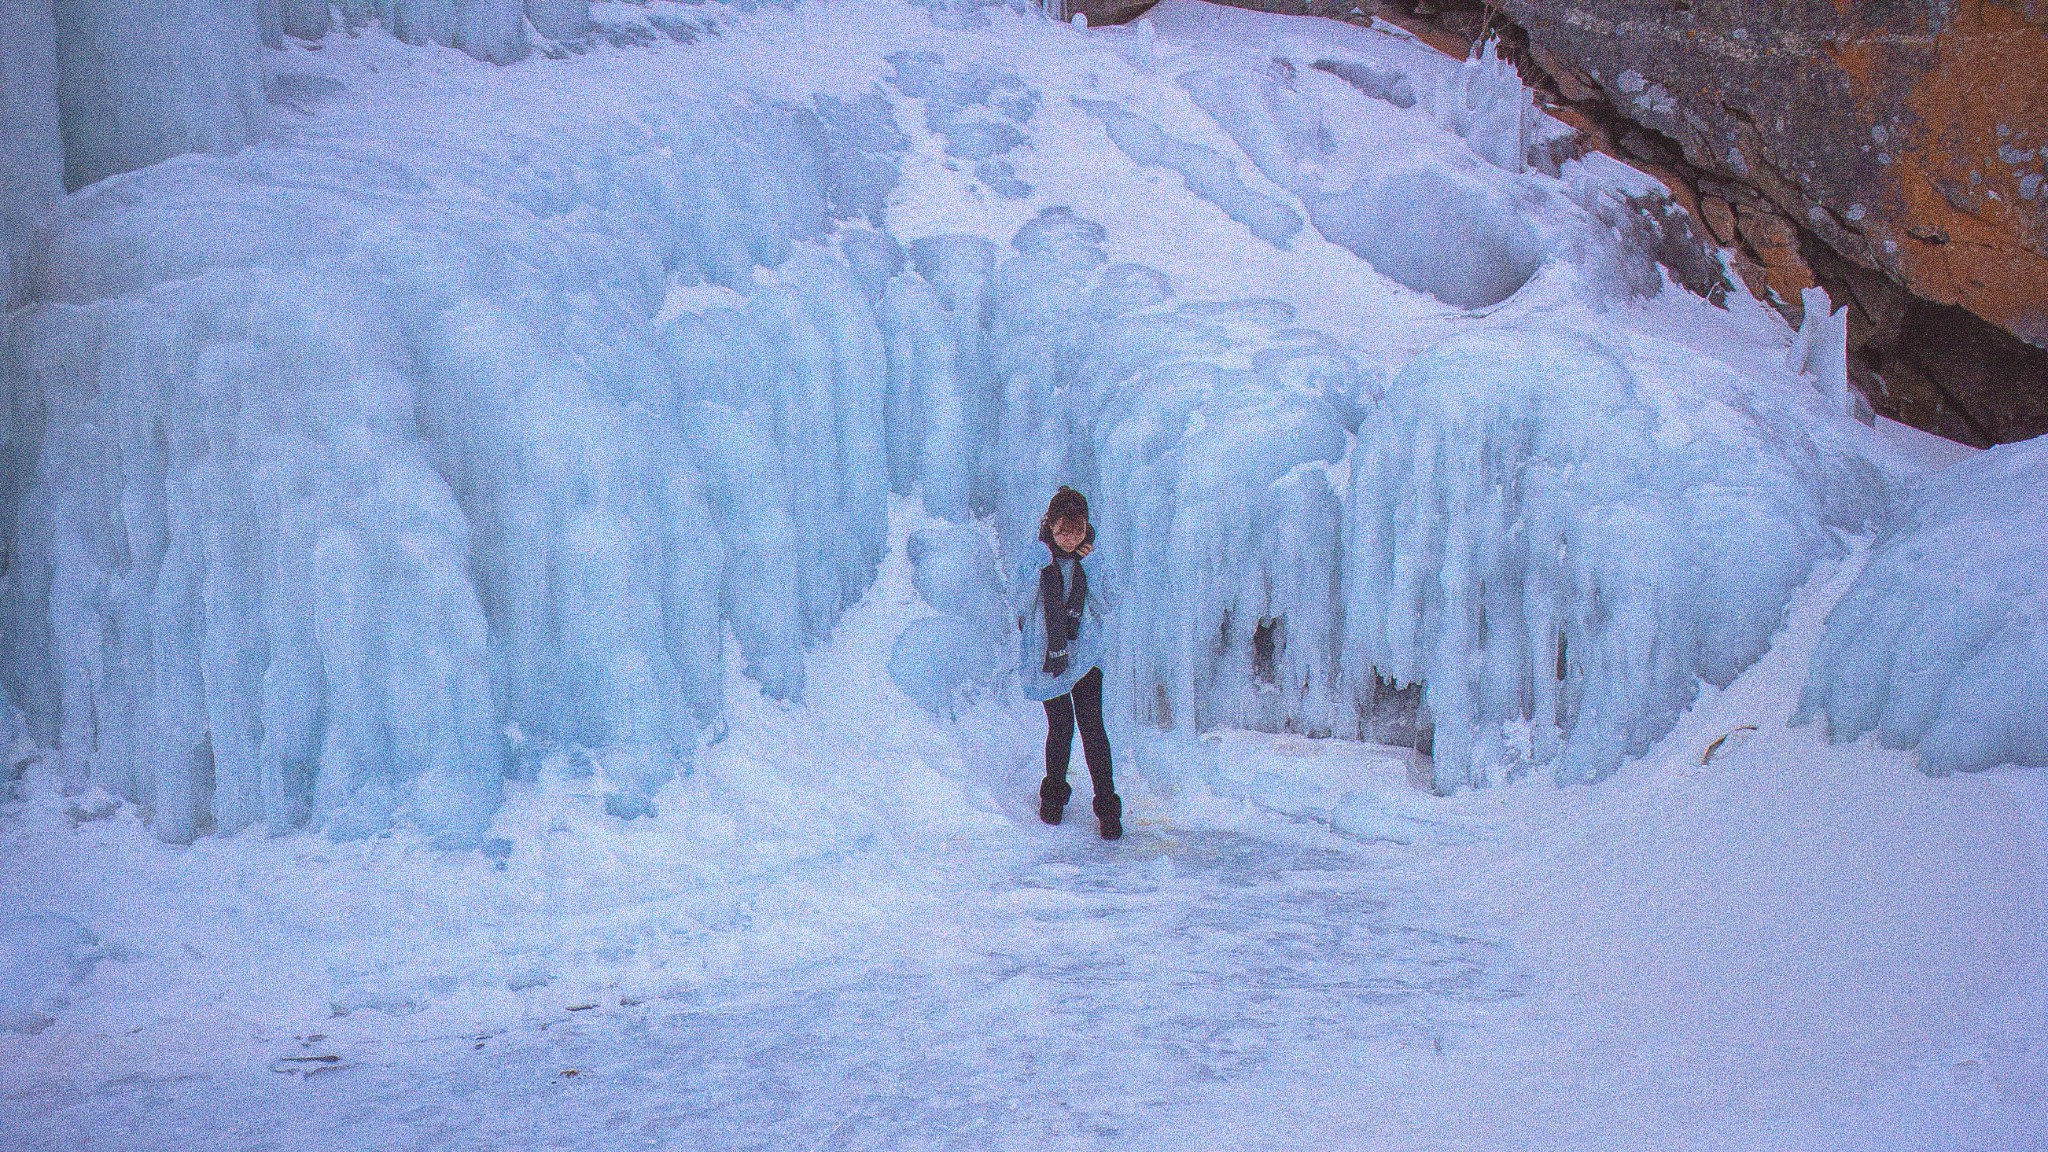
(1720,218)
(1904,139)
(1572,84)
(1752,275)
(1909,138)
(1933,365)
(1775,243)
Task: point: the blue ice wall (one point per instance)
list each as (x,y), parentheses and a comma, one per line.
(1941,643)
(142,80)
(32,163)
(359,473)
(335,481)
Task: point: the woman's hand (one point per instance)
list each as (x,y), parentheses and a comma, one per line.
(1082,552)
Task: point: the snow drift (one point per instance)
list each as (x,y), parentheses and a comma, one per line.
(41,955)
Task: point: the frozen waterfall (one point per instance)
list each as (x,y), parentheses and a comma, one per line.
(344,473)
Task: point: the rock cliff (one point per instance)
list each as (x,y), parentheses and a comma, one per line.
(1892,151)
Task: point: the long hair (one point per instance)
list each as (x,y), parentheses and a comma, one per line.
(1066,504)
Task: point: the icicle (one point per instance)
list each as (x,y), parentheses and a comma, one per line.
(1821,350)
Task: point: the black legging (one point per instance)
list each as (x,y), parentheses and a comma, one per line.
(1084,704)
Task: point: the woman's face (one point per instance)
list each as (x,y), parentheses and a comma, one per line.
(1067,533)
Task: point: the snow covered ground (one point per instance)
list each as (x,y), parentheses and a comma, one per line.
(657,357)
(848,930)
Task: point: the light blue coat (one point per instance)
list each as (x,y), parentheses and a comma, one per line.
(1089,649)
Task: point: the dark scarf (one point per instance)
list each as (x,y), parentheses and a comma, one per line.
(1062,608)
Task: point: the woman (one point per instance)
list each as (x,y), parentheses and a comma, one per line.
(1061,612)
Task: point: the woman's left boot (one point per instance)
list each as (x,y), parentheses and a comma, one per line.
(1109,810)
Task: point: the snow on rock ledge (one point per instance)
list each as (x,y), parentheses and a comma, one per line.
(1941,644)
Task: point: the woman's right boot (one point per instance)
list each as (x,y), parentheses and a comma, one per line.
(1110,811)
(1052,799)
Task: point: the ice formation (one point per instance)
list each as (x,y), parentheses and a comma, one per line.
(1388,84)
(127,101)
(1561,551)
(937,659)
(978,111)
(233,576)
(1216,430)
(1478,251)
(82,94)
(954,570)
(490,30)
(13,737)
(1485,102)
(340,480)
(1941,643)
(32,163)
(1821,349)
(242,594)
(1420,217)
(1510,492)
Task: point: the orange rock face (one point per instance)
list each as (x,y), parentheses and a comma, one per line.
(1894,151)
(1972,219)
(1908,138)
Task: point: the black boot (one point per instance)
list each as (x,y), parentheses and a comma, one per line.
(1110,811)
(1052,799)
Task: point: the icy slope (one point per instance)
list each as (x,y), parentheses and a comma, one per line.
(461,422)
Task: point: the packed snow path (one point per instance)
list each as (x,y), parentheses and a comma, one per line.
(1083,998)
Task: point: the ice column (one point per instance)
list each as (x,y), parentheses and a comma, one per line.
(1484,101)
(32,162)
(1558,558)
(1821,349)
(142,80)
